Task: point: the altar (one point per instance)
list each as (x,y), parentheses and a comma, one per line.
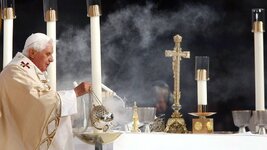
(138,108)
(161,141)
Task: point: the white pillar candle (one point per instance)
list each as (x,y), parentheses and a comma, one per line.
(96,59)
(8,41)
(52,69)
(259,71)
(202,92)
(201,77)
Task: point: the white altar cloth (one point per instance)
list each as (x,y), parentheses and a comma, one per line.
(163,141)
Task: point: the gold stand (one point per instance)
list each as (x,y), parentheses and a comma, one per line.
(50,15)
(8,13)
(257,26)
(176,123)
(93,11)
(202,124)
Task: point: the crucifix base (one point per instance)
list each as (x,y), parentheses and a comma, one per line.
(176,124)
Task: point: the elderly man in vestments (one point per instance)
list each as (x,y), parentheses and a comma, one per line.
(34,116)
(164,100)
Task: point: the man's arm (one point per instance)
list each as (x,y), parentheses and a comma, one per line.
(69,100)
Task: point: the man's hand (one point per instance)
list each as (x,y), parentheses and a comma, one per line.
(82,88)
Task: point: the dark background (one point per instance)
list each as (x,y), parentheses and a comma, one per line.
(222,31)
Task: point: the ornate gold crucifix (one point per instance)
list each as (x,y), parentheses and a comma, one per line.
(176,123)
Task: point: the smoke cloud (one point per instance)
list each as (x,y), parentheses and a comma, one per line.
(133,43)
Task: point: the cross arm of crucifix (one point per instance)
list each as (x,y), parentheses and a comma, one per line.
(174,54)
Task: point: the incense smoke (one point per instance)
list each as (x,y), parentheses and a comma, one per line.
(134,38)
(133,44)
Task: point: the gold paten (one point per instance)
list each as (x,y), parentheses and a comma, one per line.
(8,13)
(257,26)
(176,123)
(93,11)
(50,15)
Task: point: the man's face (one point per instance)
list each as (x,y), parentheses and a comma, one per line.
(161,105)
(43,58)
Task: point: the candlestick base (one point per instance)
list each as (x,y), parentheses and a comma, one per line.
(176,124)
(202,124)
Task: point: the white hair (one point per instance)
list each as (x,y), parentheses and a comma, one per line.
(38,42)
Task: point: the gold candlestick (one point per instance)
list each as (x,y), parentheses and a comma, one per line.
(176,123)
(202,124)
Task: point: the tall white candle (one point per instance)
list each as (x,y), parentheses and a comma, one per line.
(202,76)
(8,41)
(202,92)
(96,58)
(259,70)
(52,69)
